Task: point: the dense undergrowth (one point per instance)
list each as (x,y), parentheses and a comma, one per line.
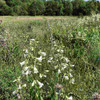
(50,60)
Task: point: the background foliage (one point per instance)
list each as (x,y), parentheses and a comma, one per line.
(49,7)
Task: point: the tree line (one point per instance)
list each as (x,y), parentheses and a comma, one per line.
(49,7)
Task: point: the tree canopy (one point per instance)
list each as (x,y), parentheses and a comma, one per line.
(49,7)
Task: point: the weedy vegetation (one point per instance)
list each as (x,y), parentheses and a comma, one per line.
(55,59)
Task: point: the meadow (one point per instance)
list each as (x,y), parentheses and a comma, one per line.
(49,58)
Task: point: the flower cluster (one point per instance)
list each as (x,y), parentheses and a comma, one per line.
(39,70)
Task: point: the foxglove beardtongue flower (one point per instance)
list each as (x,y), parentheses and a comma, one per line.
(26,68)
(18,96)
(14,80)
(70,75)
(67,60)
(66,77)
(59,71)
(73,65)
(43,53)
(72,81)
(25,55)
(26,51)
(19,87)
(41,75)
(14,92)
(70,98)
(40,84)
(64,66)
(39,59)
(22,63)
(33,83)
(18,79)
(23,73)
(50,59)
(56,67)
(24,85)
(28,72)
(35,70)
(47,71)
(58,50)
(62,51)
(32,39)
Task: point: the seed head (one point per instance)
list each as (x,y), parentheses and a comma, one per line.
(96,96)
(58,86)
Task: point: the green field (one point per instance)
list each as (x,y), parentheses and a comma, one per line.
(49,58)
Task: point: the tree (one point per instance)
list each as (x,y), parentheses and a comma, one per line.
(37,8)
(68,7)
(12,3)
(53,8)
(79,7)
(21,9)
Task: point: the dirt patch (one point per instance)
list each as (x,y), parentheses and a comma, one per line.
(29,18)
(38,18)
(55,18)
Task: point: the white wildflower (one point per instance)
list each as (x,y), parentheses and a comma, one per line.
(70,98)
(67,60)
(25,55)
(26,68)
(18,96)
(19,87)
(40,84)
(14,80)
(26,50)
(64,66)
(14,92)
(72,81)
(70,75)
(33,83)
(66,77)
(58,50)
(41,75)
(22,63)
(39,59)
(24,85)
(35,70)
(43,53)
(46,70)
(56,67)
(73,65)
(59,71)
(44,76)
(23,73)
(50,59)
(18,79)
(28,72)
(71,70)
(32,39)
(62,51)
